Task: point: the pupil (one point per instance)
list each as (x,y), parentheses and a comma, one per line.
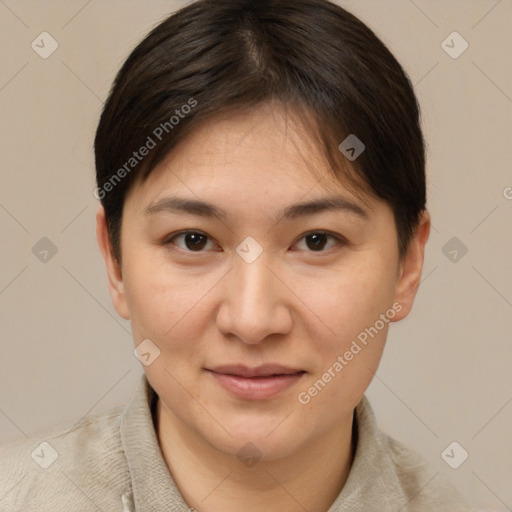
(318,240)
(195,241)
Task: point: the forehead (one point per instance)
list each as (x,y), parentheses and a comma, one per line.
(250,153)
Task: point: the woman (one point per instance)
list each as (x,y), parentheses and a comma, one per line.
(263,219)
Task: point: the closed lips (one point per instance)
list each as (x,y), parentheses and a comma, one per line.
(270,370)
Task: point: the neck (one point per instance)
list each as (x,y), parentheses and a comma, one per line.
(209,480)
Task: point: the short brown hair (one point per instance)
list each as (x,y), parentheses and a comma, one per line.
(215,56)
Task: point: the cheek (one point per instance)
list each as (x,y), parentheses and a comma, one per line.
(349,301)
(355,307)
(167,304)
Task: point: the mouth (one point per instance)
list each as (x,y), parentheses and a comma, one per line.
(256,383)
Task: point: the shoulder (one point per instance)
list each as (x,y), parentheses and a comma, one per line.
(81,467)
(424,488)
(389,475)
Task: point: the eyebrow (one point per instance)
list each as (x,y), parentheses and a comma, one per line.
(206,209)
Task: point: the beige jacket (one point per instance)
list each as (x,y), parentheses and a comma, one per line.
(112,463)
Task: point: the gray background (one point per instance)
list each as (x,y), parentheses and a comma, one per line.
(446,373)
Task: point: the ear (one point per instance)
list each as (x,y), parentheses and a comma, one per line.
(114,270)
(410,268)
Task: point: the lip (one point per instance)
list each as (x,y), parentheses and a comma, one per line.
(257,383)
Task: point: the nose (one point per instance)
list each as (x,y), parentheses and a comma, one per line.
(255,302)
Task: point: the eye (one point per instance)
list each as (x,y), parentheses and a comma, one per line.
(196,241)
(318,240)
(192,241)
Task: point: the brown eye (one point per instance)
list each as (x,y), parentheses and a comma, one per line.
(191,241)
(318,241)
(195,241)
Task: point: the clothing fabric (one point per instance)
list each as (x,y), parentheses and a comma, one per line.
(112,462)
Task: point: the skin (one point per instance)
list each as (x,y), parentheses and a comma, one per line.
(294,305)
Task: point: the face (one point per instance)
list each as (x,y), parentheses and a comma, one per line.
(268,288)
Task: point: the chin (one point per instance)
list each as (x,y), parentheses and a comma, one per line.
(257,449)
(265,438)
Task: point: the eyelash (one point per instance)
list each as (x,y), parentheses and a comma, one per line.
(338,238)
